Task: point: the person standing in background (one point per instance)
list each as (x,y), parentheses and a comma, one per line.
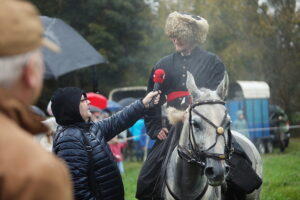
(116,147)
(240,124)
(137,133)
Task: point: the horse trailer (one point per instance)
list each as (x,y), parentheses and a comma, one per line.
(252,99)
(118,94)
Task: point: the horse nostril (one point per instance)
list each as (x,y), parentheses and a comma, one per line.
(227,169)
(209,172)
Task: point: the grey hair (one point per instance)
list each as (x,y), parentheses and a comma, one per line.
(11,68)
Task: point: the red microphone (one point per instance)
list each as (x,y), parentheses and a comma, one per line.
(158,78)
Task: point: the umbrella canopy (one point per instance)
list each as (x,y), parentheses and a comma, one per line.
(126,101)
(113,106)
(97,100)
(75,53)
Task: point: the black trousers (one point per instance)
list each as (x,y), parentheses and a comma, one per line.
(151,177)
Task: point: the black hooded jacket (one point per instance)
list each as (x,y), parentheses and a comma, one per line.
(69,144)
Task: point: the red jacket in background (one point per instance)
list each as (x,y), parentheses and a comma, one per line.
(116,149)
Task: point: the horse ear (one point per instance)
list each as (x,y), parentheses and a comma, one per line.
(222,89)
(192,87)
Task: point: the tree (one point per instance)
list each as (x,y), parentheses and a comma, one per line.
(117,29)
(283,52)
(232,23)
(257,42)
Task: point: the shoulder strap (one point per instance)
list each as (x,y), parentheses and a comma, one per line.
(91,176)
(91,166)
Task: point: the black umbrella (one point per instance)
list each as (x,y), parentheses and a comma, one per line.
(75,53)
(126,101)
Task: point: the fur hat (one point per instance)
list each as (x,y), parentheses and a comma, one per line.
(187,27)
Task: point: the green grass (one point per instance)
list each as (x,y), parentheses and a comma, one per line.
(281,175)
(132,170)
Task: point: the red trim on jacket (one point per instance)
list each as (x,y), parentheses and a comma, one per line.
(177,94)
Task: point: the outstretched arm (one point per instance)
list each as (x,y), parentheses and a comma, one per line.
(124,119)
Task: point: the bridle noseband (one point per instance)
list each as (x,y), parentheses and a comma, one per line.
(194,154)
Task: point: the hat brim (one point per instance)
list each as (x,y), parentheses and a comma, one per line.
(50,45)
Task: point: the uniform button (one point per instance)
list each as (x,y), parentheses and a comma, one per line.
(183,84)
(184,67)
(183,75)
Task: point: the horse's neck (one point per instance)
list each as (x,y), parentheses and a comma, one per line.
(191,175)
(190,182)
(186,181)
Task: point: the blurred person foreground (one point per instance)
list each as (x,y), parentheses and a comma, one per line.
(27,171)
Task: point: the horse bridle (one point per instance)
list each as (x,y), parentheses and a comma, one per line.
(194,154)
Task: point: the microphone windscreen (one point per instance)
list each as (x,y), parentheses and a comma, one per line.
(159,76)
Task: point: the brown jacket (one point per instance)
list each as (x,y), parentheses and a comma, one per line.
(27,171)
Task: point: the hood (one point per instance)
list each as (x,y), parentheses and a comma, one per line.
(65,105)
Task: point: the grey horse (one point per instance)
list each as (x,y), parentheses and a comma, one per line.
(197,167)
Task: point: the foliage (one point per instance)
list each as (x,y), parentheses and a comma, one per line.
(233,25)
(280,172)
(257,40)
(117,29)
(282,53)
(257,44)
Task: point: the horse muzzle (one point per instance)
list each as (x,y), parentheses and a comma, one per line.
(216,171)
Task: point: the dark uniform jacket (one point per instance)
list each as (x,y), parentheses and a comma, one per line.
(207,69)
(69,145)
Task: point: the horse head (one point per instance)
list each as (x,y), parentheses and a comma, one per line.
(205,139)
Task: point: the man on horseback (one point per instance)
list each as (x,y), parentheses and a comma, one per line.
(187,32)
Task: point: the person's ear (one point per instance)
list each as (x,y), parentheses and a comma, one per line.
(29,71)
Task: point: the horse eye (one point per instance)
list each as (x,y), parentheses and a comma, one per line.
(195,124)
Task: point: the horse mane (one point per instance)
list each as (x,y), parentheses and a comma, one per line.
(175,115)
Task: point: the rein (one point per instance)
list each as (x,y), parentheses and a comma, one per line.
(194,154)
